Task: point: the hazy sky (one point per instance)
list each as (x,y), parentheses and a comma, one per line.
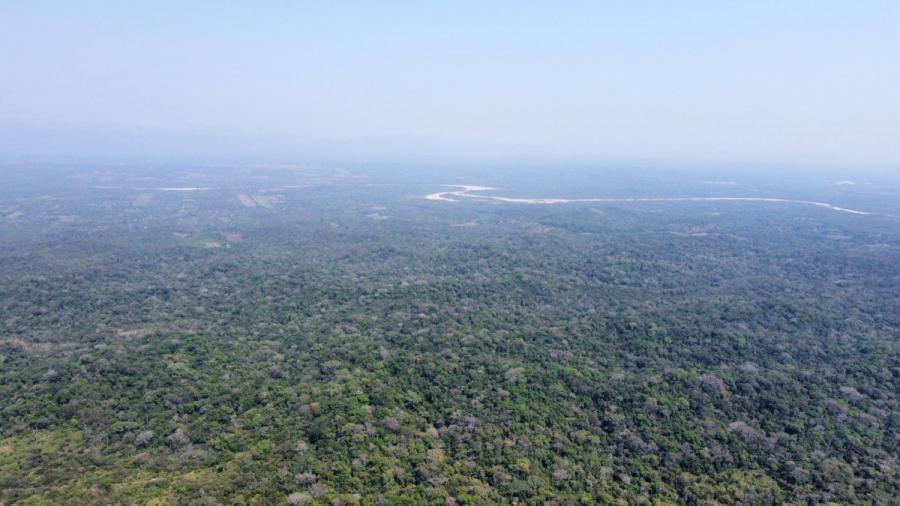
(756,81)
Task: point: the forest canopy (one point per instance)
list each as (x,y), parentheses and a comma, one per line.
(318,336)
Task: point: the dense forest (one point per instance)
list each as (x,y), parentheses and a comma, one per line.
(318,336)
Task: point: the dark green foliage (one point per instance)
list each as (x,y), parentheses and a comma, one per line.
(193,351)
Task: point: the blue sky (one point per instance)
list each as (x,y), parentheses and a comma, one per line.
(763,81)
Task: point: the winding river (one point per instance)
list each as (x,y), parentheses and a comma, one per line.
(470,191)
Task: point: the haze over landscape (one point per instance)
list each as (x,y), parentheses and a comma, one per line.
(760,82)
(450,253)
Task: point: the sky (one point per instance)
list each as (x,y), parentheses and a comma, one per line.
(806,82)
